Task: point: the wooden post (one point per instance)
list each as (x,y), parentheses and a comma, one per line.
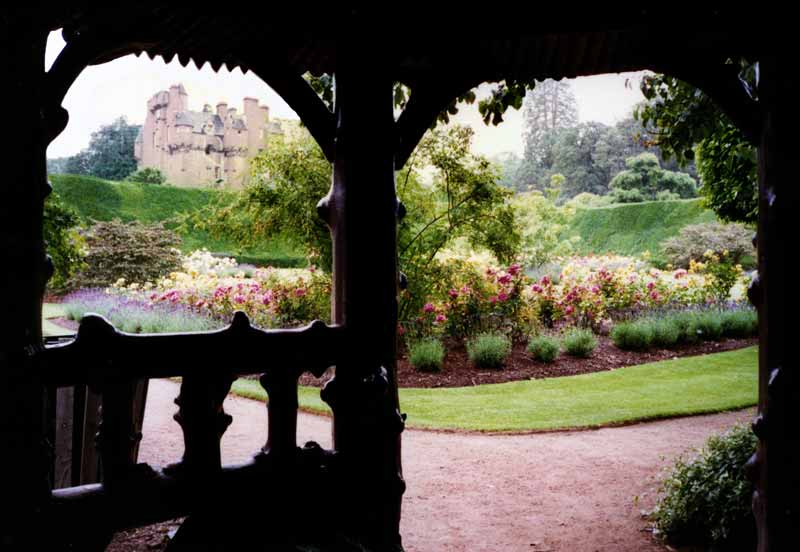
(361,210)
(776,466)
(24,462)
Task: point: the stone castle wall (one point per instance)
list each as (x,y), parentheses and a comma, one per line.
(201,149)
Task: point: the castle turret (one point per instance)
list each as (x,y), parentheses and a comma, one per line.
(222,110)
(254,119)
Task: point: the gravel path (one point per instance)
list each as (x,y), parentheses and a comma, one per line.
(567,491)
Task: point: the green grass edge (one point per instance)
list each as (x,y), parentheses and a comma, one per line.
(704,384)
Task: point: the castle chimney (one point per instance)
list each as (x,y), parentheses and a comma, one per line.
(222,110)
(178,97)
(253,117)
(264,115)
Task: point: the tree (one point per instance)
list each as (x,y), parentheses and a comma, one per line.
(686,123)
(645,175)
(574,157)
(110,152)
(543,223)
(550,106)
(64,244)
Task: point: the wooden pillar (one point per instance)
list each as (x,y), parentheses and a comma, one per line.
(776,466)
(361,210)
(24,269)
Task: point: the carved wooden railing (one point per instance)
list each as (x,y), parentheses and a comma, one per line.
(115,365)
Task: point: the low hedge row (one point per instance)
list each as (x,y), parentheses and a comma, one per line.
(682,328)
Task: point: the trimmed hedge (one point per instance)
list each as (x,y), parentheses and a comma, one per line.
(683,328)
(632,228)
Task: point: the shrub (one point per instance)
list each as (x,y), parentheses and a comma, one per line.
(706,500)
(665,332)
(632,336)
(133,251)
(147,175)
(426,355)
(489,350)
(695,239)
(740,323)
(579,343)
(666,195)
(709,325)
(136,316)
(64,244)
(720,272)
(543,348)
(688,326)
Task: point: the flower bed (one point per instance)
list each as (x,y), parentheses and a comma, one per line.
(588,292)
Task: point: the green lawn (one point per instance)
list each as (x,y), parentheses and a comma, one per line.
(693,385)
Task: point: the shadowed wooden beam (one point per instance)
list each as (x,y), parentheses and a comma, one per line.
(100,352)
(296,92)
(721,82)
(424,105)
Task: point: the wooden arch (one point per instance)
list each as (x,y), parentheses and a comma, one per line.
(359,484)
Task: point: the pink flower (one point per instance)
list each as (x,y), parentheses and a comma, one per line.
(266,299)
(569,310)
(537,288)
(238,298)
(493,299)
(544,281)
(453,293)
(200,304)
(502,296)
(299,292)
(428,307)
(595,289)
(465,288)
(654,295)
(505,279)
(514,269)
(650,285)
(440,318)
(312,269)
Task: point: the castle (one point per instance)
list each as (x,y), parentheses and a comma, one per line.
(201,148)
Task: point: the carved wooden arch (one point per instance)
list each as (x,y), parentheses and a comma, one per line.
(366,108)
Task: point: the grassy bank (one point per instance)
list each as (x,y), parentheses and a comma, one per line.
(631,228)
(96,199)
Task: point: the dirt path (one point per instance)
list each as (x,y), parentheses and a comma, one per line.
(569,491)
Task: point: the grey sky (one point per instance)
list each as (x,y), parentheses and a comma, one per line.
(122,87)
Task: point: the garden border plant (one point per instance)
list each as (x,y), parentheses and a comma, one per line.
(488,350)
